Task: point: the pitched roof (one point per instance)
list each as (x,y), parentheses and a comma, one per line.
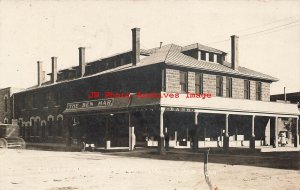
(171,54)
(177,58)
(201,47)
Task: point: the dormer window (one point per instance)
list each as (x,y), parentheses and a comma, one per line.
(118,62)
(219,58)
(203,55)
(211,57)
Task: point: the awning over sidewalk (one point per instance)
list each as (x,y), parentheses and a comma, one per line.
(208,105)
(232,106)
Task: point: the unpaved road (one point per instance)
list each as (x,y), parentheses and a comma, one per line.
(34,170)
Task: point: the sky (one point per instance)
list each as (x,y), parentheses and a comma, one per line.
(31,31)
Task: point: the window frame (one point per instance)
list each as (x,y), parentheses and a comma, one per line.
(44,99)
(183,83)
(203,55)
(258,90)
(34,100)
(163,78)
(23,102)
(247,89)
(219,89)
(5,103)
(199,83)
(229,87)
(211,57)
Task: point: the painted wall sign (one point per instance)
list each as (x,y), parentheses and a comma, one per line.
(90,104)
(179,109)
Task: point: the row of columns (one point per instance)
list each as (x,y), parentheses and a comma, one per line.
(161,147)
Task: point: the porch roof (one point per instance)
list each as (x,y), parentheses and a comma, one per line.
(232,106)
(209,105)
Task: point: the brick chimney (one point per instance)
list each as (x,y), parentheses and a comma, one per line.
(44,76)
(40,73)
(54,69)
(135,45)
(234,52)
(81,61)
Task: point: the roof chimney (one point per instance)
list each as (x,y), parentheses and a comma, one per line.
(160,44)
(44,76)
(40,73)
(81,61)
(54,69)
(135,45)
(234,52)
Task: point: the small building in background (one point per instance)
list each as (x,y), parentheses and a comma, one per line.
(6,104)
(293,97)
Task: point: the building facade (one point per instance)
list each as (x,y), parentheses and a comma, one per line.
(6,104)
(100,102)
(293,98)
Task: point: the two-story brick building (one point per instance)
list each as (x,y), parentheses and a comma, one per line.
(238,113)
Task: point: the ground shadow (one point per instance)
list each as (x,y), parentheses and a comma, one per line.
(279,160)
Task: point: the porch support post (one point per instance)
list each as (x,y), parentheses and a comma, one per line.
(107,140)
(226,138)
(161,147)
(297,133)
(68,124)
(276,132)
(130,132)
(252,140)
(196,139)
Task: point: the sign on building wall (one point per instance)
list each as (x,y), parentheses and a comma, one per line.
(179,109)
(90,104)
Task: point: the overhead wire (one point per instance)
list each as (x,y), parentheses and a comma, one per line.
(263,32)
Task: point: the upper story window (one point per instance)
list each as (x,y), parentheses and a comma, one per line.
(163,81)
(127,59)
(211,57)
(34,101)
(183,81)
(203,55)
(246,89)
(5,103)
(228,87)
(58,97)
(219,58)
(219,86)
(44,99)
(258,90)
(199,83)
(118,61)
(23,102)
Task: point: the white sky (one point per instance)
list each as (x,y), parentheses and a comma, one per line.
(36,30)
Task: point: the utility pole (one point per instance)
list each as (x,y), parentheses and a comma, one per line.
(284,95)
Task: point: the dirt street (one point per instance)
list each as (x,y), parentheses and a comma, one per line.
(49,170)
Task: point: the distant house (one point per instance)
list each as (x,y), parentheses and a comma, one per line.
(293,98)
(6,104)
